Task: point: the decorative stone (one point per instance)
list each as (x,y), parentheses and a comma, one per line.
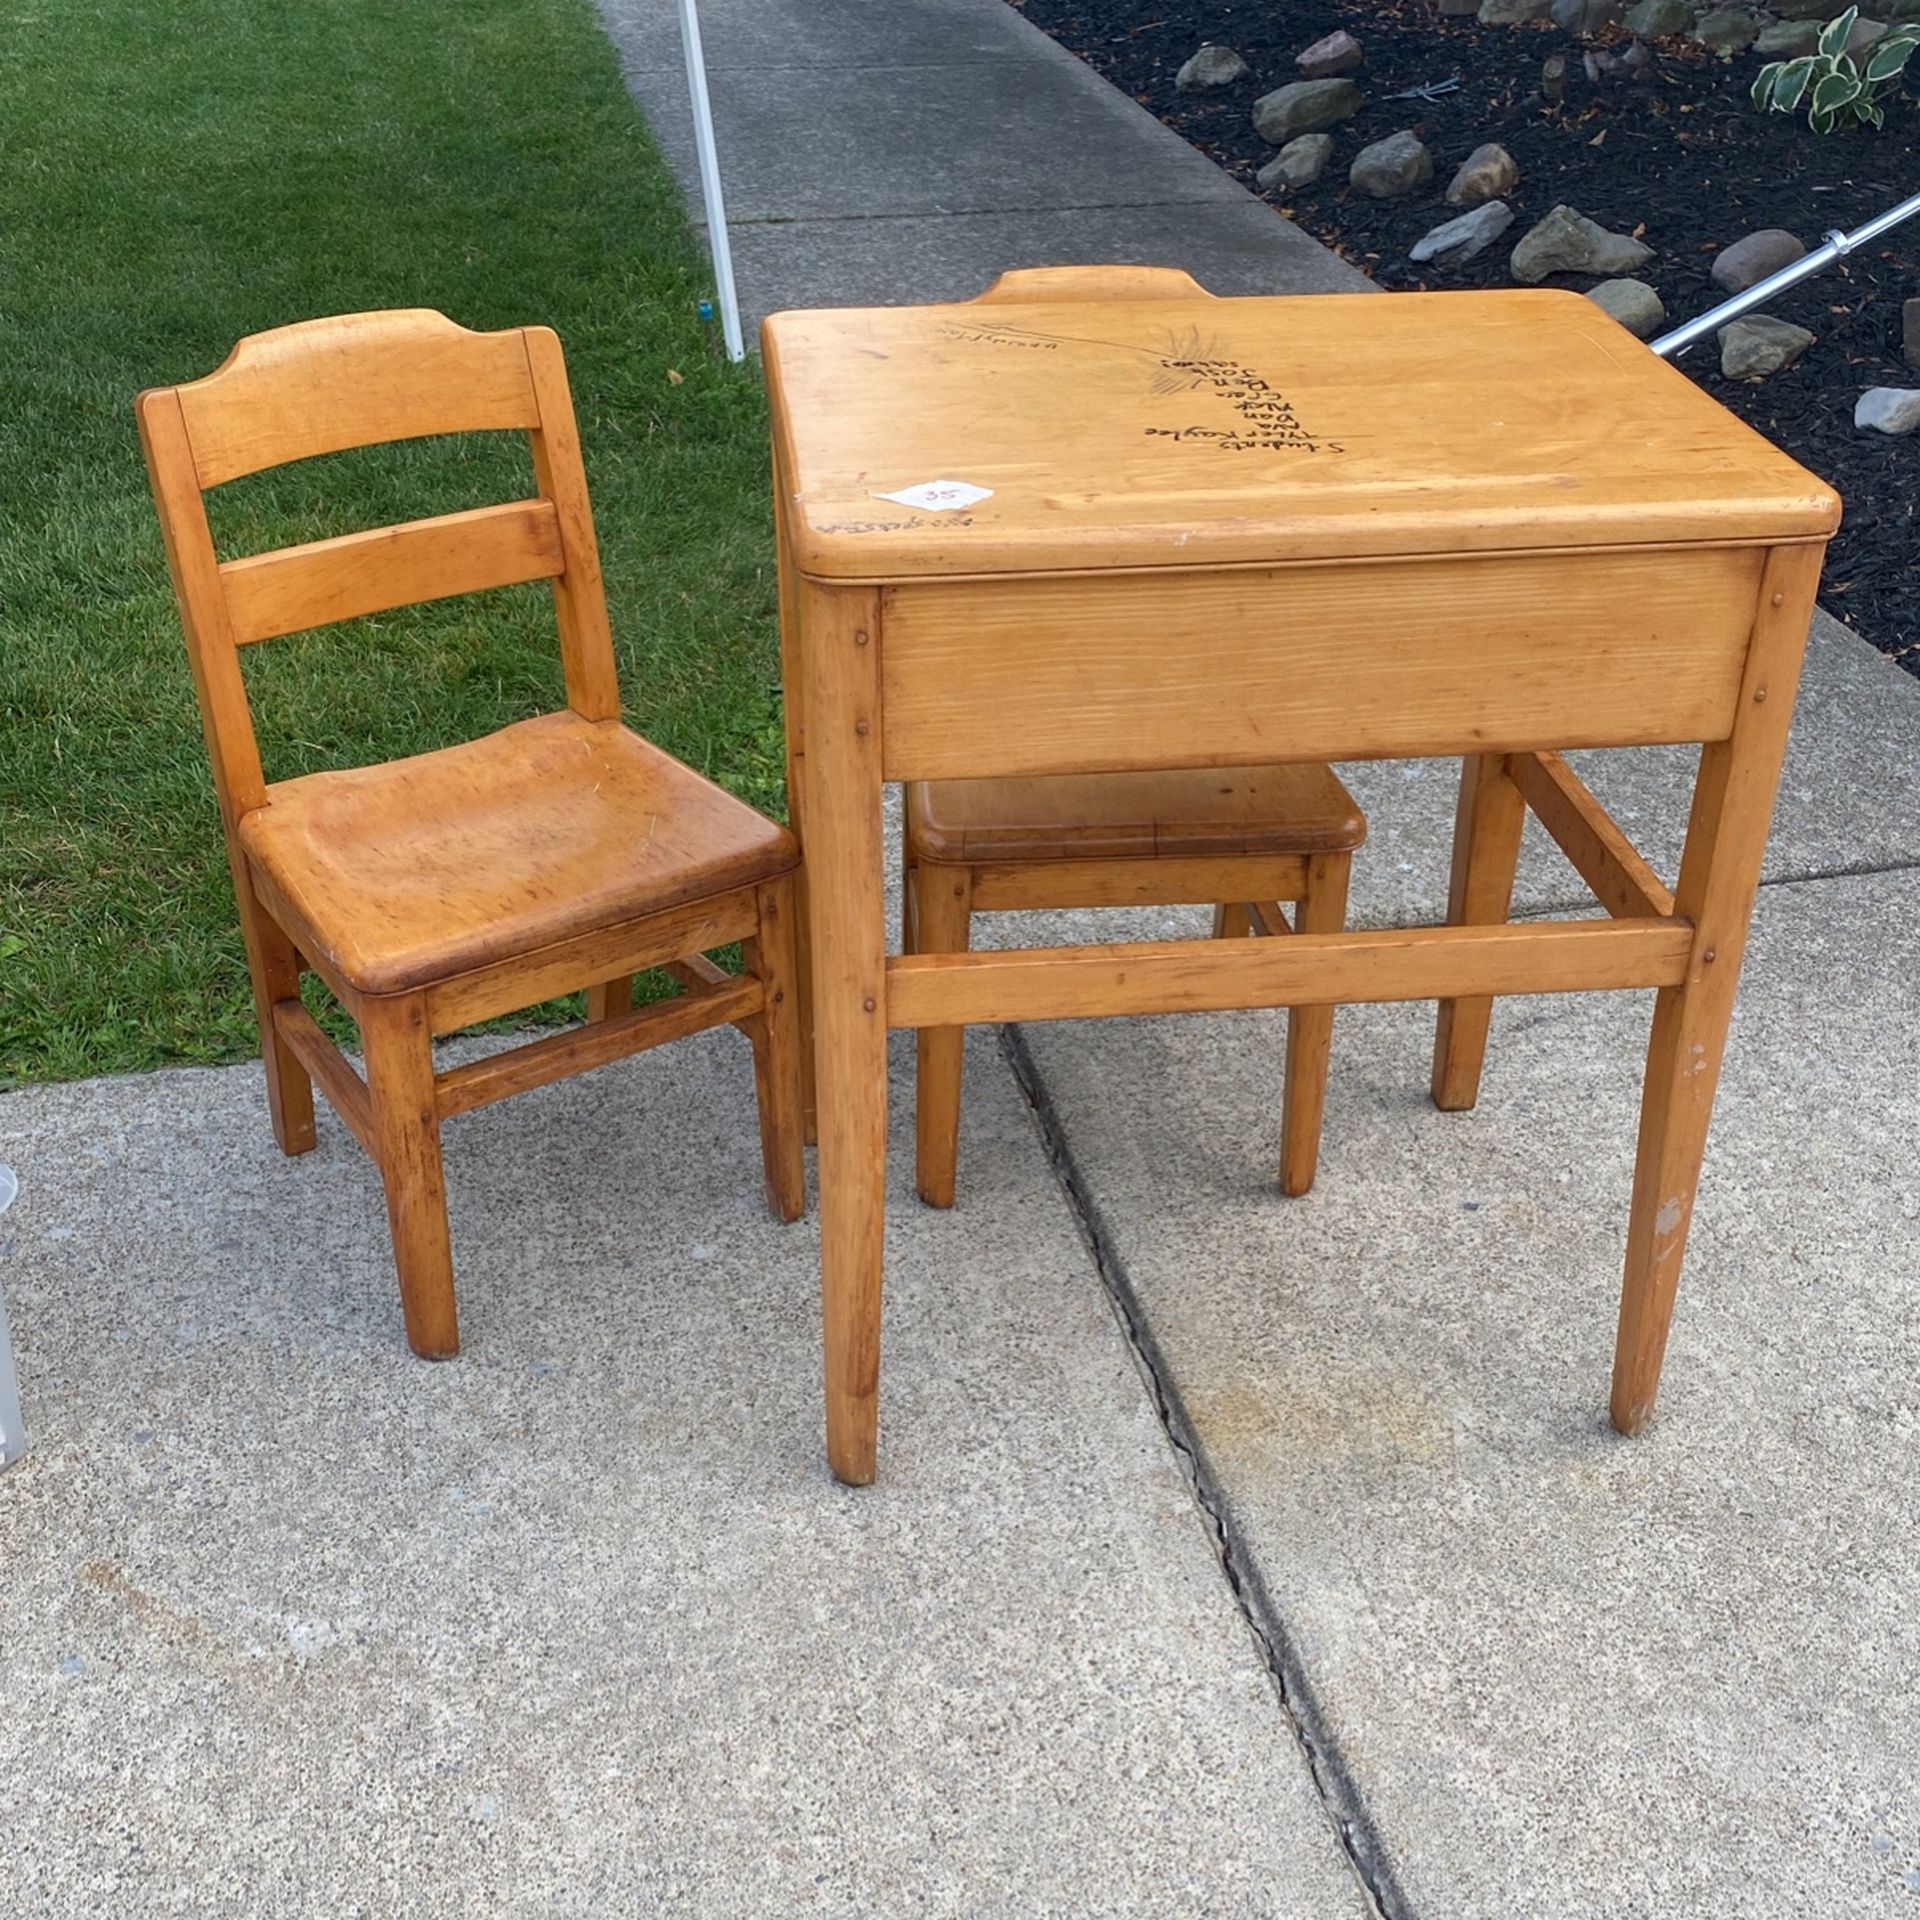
(1298,164)
(1888,410)
(1306,106)
(1391,167)
(1209,68)
(1489,172)
(1787,39)
(1568,242)
(1513,13)
(1865,34)
(1553,77)
(1459,239)
(1808,9)
(1910,332)
(1587,16)
(1655,19)
(1633,303)
(1460,9)
(1757,344)
(1747,262)
(1726,31)
(1338,53)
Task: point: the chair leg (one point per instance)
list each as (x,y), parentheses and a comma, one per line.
(1230,921)
(1322,909)
(406,1139)
(274,968)
(775,1034)
(803,1004)
(1486,850)
(943,919)
(610,997)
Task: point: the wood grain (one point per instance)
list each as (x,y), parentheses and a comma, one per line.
(1332,663)
(293,588)
(1186,976)
(1164,432)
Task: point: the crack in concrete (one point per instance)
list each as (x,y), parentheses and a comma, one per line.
(1339,1797)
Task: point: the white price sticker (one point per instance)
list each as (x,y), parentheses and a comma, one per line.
(939,496)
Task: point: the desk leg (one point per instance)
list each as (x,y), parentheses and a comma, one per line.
(846,898)
(1486,850)
(1719,877)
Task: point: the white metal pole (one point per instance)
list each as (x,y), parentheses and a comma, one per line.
(710,180)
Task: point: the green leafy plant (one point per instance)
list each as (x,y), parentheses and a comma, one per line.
(1837,90)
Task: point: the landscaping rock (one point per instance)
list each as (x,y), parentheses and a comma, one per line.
(1787,39)
(1747,262)
(1326,59)
(1513,13)
(1865,34)
(1391,167)
(1568,242)
(1459,9)
(1910,332)
(1757,345)
(1808,9)
(1633,303)
(1209,68)
(1489,172)
(1298,163)
(1888,409)
(1726,31)
(1460,238)
(1587,16)
(1553,77)
(1306,106)
(1654,19)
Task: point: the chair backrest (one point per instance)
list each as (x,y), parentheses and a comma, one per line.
(1092,283)
(359,380)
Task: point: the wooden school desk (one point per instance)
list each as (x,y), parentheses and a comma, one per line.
(1214,532)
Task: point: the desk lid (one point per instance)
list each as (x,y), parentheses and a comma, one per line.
(1072,435)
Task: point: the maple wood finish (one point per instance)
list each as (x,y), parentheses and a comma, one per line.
(559,853)
(1225,838)
(1239,533)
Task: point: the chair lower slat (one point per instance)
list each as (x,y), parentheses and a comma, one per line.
(501,1075)
(346,1092)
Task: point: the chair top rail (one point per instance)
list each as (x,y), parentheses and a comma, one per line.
(353,380)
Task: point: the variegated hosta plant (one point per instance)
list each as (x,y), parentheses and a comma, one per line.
(1837,89)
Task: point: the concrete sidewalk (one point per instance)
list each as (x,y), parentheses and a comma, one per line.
(1308,1584)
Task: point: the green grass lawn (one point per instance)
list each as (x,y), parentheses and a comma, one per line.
(174,176)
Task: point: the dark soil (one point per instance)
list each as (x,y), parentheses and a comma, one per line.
(1681,157)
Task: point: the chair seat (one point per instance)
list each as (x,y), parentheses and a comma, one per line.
(418,870)
(1133,816)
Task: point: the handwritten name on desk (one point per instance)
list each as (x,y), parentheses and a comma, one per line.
(1271,423)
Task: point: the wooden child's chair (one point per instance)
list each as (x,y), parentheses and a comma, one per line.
(560,852)
(1239,838)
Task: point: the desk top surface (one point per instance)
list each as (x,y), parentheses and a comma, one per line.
(1093,434)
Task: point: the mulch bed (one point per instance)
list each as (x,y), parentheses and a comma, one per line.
(1681,154)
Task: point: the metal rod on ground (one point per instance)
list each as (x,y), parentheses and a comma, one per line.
(709,153)
(1837,246)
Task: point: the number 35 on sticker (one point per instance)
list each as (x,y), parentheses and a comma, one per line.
(939,496)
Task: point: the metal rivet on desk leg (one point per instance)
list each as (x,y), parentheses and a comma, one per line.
(1759,696)
(868,1003)
(1779,599)
(860,727)
(860,636)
